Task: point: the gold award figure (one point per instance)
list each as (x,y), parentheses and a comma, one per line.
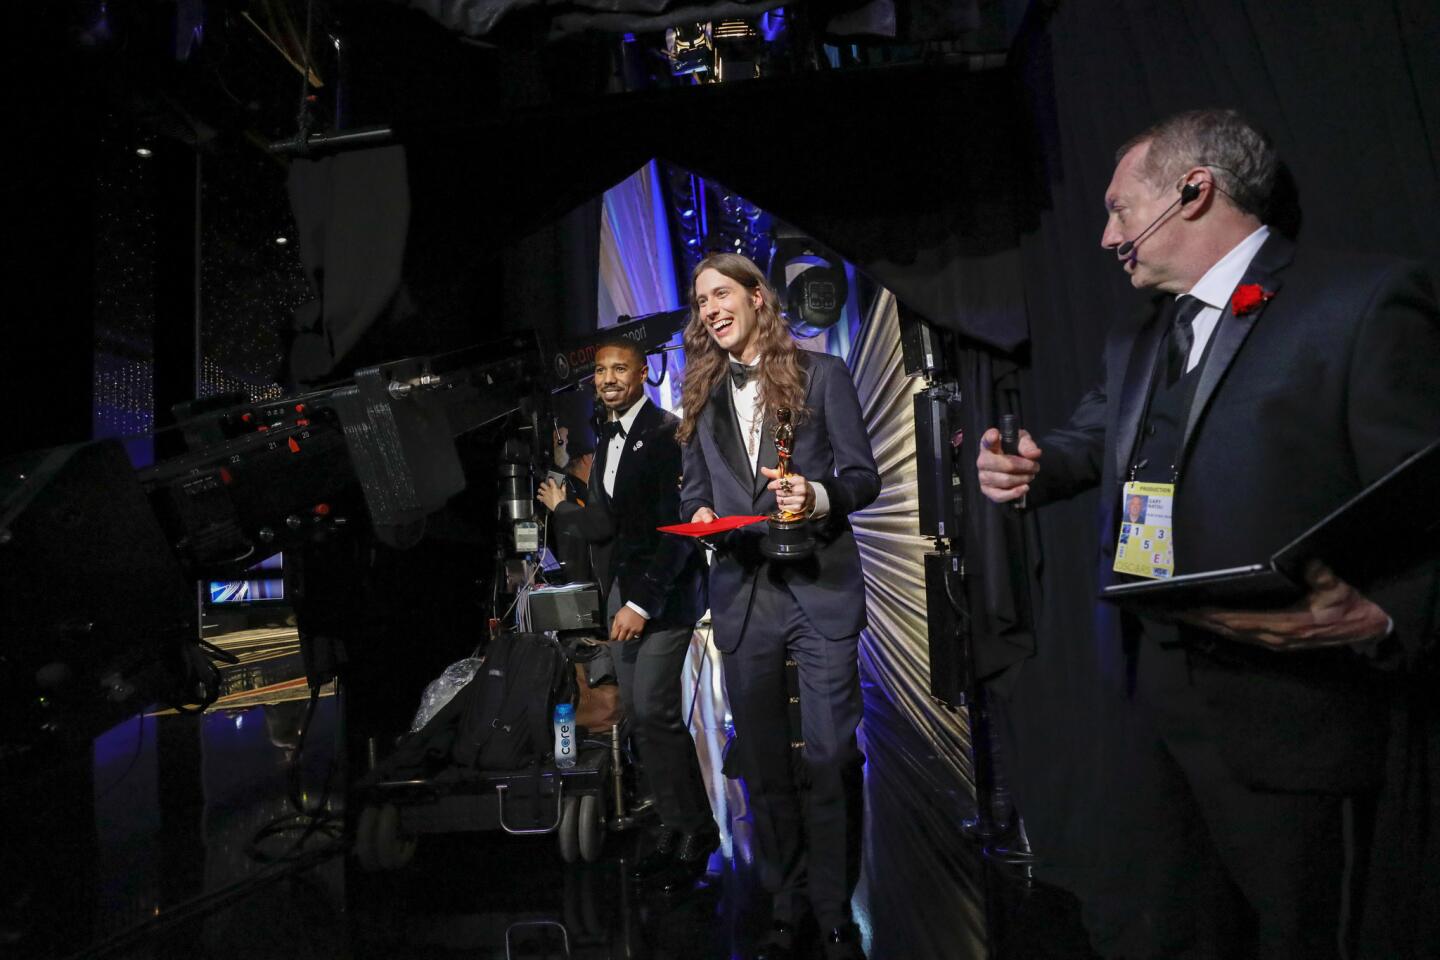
(789,537)
(784,440)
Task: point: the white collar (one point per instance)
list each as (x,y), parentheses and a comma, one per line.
(1214,289)
(627,419)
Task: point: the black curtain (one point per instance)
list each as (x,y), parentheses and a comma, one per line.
(406,256)
(920,175)
(915,173)
(469,232)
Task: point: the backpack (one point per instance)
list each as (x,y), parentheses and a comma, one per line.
(507,722)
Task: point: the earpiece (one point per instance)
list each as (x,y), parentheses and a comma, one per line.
(1187,193)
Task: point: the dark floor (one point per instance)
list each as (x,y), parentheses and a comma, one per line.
(189,848)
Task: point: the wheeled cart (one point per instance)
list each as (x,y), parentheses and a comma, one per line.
(571,803)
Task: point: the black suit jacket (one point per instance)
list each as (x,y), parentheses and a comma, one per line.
(568,535)
(661,573)
(1300,405)
(832,448)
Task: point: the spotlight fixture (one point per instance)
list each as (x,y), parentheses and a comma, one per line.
(815,286)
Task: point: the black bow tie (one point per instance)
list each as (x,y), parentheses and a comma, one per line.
(740,373)
(610,428)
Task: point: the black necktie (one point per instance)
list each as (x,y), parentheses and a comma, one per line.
(740,373)
(610,429)
(1182,335)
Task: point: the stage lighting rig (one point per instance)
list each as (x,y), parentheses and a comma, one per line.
(812,283)
(690,49)
(723,50)
(737,50)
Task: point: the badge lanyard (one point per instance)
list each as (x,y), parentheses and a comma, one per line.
(1146,542)
(1146,547)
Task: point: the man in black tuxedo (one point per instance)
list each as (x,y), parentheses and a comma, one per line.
(741,366)
(654,589)
(1278,382)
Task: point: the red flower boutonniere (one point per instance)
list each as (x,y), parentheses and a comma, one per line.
(1249,297)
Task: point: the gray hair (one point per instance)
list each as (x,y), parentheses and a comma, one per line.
(1241,157)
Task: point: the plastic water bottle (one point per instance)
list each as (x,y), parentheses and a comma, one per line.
(565,745)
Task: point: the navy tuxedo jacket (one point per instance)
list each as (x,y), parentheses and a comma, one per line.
(661,573)
(832,448)
(1300,405)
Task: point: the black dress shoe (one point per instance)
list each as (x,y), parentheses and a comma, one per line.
(658,860)
(692,856)
(843,943)
(698,844)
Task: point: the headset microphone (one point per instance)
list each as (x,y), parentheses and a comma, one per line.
(1187,193)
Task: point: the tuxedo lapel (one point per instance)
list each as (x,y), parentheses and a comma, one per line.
(626,464)
(1135,388)
(723,425)
(601,551)
(1231,332)
(632,449)
(597,472)
(768,456)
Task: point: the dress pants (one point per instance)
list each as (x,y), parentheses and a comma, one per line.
(808,842)
(1223,869)
(648,669)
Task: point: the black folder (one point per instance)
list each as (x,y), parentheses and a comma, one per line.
(1378,533)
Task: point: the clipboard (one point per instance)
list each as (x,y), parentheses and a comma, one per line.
(1356,540)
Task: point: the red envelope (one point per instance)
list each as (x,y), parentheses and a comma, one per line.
(719,525)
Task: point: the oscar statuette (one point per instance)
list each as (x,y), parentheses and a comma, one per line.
(789,535)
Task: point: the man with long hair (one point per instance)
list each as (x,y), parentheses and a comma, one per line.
(742,366)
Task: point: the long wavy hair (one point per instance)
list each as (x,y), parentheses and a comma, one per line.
(782,374)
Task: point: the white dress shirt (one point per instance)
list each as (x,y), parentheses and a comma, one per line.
(750,418)
(1215,288)
(616,445)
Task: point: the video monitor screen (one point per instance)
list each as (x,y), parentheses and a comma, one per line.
(265,582)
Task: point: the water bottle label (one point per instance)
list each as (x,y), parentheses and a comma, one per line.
(564,741)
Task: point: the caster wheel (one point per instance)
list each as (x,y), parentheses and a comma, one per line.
(592,829)
(394,848)
(365,840)
(568,833)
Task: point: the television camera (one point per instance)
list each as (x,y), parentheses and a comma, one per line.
(99,562)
